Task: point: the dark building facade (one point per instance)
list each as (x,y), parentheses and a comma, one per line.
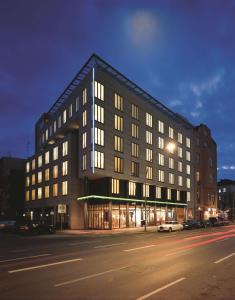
(226,198)
(12,184)
(112,154)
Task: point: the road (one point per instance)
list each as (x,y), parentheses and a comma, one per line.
(196,264)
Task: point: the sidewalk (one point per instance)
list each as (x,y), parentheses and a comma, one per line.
(107,231)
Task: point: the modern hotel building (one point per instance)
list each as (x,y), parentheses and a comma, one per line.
(112,154)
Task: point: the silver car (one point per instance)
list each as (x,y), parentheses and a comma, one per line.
(170,226)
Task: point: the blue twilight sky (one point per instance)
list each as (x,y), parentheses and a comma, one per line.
(181,52)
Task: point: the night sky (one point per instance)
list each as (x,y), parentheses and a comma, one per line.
(181,52)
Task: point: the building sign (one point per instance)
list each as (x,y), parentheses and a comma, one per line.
(61,208)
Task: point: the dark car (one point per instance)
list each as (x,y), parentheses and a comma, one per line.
(33,228)
(191,224)
(205,224)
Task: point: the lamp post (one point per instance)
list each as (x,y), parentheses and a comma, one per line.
(145,202)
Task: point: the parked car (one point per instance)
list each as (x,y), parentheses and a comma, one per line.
(205,224)
(36,228)
(7,225)
(170,226)
(191,224)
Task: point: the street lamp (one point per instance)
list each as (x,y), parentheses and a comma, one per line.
(170,147)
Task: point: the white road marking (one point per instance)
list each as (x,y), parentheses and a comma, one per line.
(224,258)
(44,266)
(25,257)
(161,289)
(221,240)
(110,245)
(139,248)
(178,252)
(88,277)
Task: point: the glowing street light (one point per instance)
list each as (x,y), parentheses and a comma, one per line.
(170,147)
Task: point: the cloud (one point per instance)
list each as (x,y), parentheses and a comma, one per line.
(175,103)
(226,168)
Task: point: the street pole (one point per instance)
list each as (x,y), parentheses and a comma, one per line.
(145,223)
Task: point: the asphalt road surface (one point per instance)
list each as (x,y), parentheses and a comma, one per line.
(195,264)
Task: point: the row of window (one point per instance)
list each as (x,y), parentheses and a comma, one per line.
(38,193)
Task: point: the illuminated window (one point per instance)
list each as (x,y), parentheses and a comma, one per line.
(169,194)
(84,96)
(171,132)
(84,162)
(188,183)
(46,134)
(33,179)
(65,148)
(54,126)
(118,164)
(160,142)
(47,174)
(39,161)
(70,110)
(188,142)
(77,104)
(115,186)
(188,156)
(148,137)
(118,143)
(33,164)
(64,116)
(149,172)
(118,123)
(161,175)
(161,159)
(188,169)
(27,181)
(99,91)
(40,193)
(65,188)
(99,136)
(180,138)
(149,154)
(149,119)
(188,196)
(98,159)
(59,122)
(180,166)
(47,192)
(198,177)
(50,132)
(55,171)
(160,126)
(27,195)
(84,136)
(118,102)
(134,169)
(84,118)
(158,192)
(65,168)
(55,153)
(39,177)
(171,163)
(33,194)
(171,178)
(134,111)
(47,157)
(145,190)
(134,150)
(132,188)
(135,130)
(180,152)
(180,180)
(55,189)
(178,195)
(99,113)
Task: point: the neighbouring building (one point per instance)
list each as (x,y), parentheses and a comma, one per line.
(226,198)
(111,155)
(12,194)
(206,174)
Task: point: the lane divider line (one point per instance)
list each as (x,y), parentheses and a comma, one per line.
(224,258)
(110,245)
(25,257)
(139,248)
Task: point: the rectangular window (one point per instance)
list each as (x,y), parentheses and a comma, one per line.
(180,152)
(115,186)
(132,188)
(84,118)
(169,194)
(59,122)
(180,138)
(54,126)
(50,132)
(197,176)
(180,166)
(158,192)
(135,130)
(188,169)
(118,143)
(27,167)
(149,137)
(33,179)
(161,175)
(99,91)
(160,159)
(55,171)
(39,161)
(65,188)
(188,196)
(149,172)
(134,169)
(27,181)
(149,119)
(188,156)
(99,159)
(39,193)
(180,180)
(84,162)
(84,96)
(77,104)
(160,142)
(33,164)
(134,150)
(65,148)
(47,174)
(47,192)
(64,116)
(118,164)
(149,154)
(171,178)
(118,123)
(118,102)
(33,194)
(160,126)
(47,157)
(39,177)
(55,153)
(135,111)
(65,168)
(99,114)
(55,189)
(146,190)
(188,143)
(178,195)
(70,110)
(84,136)
(99,136)
(188,183)
(171,132)
(171,163)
